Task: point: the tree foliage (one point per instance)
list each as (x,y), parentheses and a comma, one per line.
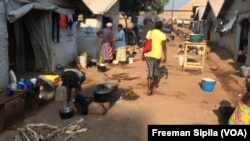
(133,7)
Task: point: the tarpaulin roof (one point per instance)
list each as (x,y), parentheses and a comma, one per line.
(229,25)
(201,12)
(219,7)
(99,7)
(19,12)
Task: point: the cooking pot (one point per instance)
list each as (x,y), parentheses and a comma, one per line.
(111,86)
(47,90)
(101,67)
(66,112)
(102,93)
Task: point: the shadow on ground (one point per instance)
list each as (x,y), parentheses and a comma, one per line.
(224,112)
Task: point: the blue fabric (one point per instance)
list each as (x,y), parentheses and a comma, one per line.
(121,39)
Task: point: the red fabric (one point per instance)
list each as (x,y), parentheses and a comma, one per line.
(63,20)
(110,52)
(147,46)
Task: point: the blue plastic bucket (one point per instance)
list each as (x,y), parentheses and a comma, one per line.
(208,84)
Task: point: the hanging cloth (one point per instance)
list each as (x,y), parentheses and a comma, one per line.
(63,20)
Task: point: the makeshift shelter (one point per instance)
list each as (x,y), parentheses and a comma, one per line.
(101,13)
(26,35)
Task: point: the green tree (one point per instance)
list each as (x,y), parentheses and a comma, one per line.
(158,5)
(130,8)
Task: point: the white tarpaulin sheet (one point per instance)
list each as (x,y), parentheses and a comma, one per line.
(38,19)
(4,58)
(229,25)
(98,7)
(20,12)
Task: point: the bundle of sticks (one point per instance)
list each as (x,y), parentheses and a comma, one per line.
(46,132)
(120,76)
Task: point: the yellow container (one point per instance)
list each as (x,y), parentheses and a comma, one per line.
(54,78)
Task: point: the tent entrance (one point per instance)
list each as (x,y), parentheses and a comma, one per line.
(28,57)
(30,39)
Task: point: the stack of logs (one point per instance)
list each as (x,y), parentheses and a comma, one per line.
(120,76)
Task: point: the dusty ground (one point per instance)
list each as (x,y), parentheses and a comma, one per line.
(178,100)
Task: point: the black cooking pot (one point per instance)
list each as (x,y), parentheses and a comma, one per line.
(102,94)
(66,112)
(111,86)
(101,67)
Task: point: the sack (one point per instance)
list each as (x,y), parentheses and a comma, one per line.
(81,104)
(147,46)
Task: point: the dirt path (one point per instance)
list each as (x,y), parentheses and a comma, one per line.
(178,100)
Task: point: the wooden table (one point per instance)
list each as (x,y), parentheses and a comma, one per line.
(194,55)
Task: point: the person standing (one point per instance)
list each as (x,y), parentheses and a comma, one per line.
(120,45)
(157,55)
(106,50)
(241,113)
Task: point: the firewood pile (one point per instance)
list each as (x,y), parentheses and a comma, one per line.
(119,77)
(46,132)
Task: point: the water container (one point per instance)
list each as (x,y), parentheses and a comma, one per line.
(245,70)
(131,60)
(61,94)
(208,84)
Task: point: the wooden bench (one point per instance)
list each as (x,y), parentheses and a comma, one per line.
(4,100)
(30,98)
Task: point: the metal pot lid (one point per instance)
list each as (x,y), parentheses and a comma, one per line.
(109,84)
(102,89)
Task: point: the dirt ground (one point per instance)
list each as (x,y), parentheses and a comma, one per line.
(178,100)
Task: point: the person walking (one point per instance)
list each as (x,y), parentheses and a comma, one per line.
(106,50)
(157,55)
(120,46)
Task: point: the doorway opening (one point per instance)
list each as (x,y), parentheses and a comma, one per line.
(243,47)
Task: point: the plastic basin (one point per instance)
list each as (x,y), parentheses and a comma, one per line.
(196,38)
(208,84)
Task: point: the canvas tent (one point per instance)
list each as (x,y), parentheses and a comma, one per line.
(38,23)
(101,14)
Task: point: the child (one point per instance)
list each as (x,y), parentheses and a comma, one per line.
(180,50)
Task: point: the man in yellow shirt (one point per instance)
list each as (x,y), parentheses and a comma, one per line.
(157,55)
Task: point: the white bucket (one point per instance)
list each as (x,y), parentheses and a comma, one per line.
(245,70)
(130,60)
(83,60)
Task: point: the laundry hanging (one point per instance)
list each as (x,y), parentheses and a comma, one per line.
(63,20)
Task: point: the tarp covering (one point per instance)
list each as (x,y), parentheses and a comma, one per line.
(201,12)
(37,18)
(39,24)
(16,14)
(216,6)
(229,25)
(4,59)
(97,7)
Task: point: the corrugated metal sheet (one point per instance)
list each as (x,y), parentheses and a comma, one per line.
(98,7)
